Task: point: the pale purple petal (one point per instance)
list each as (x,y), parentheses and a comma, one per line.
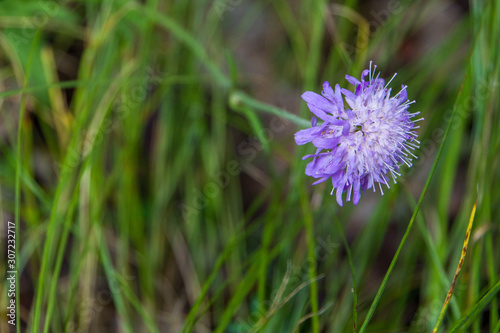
(318,105)
(307,135)
(314,121)
(403,95)
(325,142)
(352,80)
(340,190)
(357,191)
(328,92)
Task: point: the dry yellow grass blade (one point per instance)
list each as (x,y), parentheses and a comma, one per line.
(459,268)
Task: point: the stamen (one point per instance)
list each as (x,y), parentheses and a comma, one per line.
(409,152)
(402,89)
(407,103)
(386,182)
(370,72)
(380,186)
(406,160)
(390,80)
(412,145)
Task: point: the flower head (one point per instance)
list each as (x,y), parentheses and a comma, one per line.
(359,143)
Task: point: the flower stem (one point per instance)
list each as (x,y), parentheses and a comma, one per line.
(236,98)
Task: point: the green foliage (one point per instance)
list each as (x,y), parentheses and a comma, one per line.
(147,156)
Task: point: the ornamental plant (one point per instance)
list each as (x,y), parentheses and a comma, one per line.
(362,137)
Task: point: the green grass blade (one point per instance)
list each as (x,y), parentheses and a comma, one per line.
(22,110)
(459,267)
(353,272)
(238,97)
(186,38)
(111,277)
(371,311)
(309,226)
(474,311)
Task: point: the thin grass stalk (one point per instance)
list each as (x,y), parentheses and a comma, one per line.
(465,321)
(19,156)
(353,272)
(381,289)
(309,226)
(457,272)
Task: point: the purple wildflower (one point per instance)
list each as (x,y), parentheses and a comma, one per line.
(358,144)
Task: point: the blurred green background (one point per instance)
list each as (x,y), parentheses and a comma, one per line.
(148,160)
